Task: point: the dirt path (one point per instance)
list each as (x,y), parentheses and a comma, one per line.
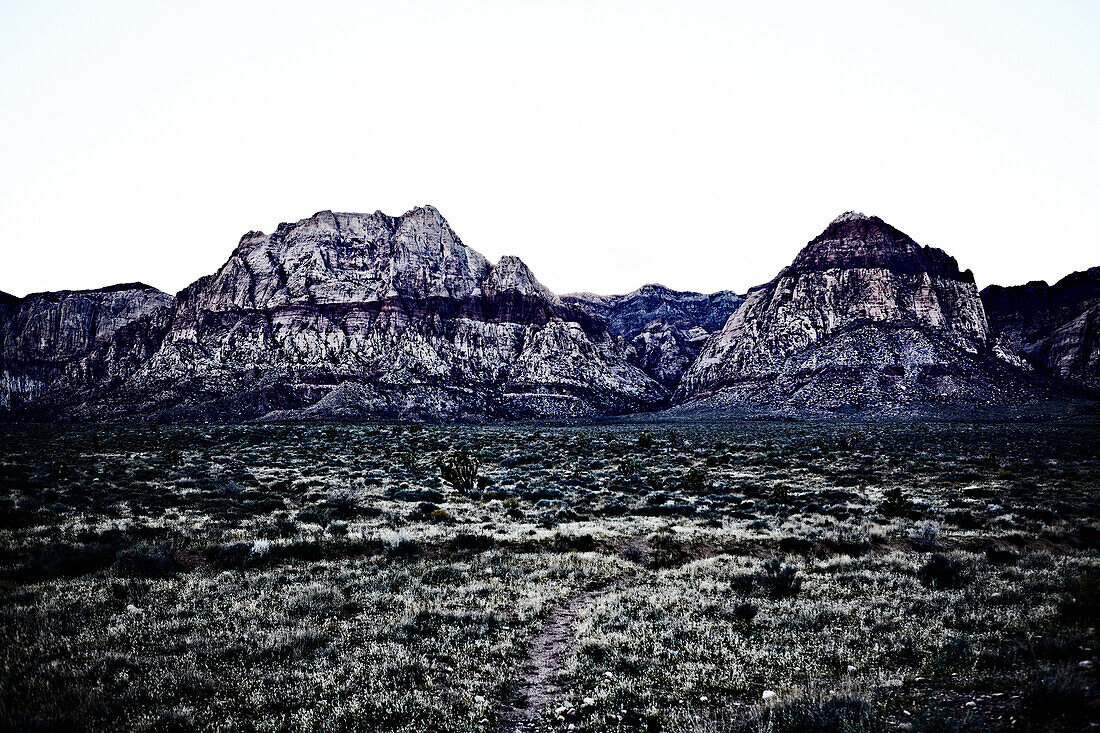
(538,676)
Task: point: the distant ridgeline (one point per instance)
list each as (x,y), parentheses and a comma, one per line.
(369,316)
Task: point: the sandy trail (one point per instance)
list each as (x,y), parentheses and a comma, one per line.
(542,668)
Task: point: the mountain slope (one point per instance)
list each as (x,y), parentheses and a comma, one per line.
(863,319)
(665,327)
(45,335)
(1056,327)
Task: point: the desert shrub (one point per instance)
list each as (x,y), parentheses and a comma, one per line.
(646,440)
(235,555)
(853,540)
(818,714)
(574,542)
(148,562)
(745,612)
(1061,696)
(342,505)
(459,469)
(431,495)
(290,644)
(66,560)
(694,480)
(402,548)
(1082,597)
(955,653)
(925,535)
(779,580)
(472,542)
(896,503)
(941,571)
(1001,556)
(665,551)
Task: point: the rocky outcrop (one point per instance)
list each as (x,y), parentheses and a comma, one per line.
(46,336)
(665,327)
(863,319)
(1055,328)
(665,349)
(362,315)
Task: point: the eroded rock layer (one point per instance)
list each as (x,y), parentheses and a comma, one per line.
(359,316)
(44,336)
(864,318)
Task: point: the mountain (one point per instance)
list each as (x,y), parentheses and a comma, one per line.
(1056,328)
(358,316)
(345,316)
(665,327)
(628,315)
(45,335)
(864,319)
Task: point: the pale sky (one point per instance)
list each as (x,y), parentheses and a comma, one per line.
(607,144)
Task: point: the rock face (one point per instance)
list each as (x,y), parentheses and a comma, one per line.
(863,319)
(1055,328)
(45,336)
(665,328)
(360,316)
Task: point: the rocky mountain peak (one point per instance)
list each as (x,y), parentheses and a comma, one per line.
(511,274)
(862,315)
(854,240)
(850,216)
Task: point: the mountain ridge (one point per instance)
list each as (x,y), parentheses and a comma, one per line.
(344,315)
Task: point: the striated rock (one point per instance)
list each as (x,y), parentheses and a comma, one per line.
(45,336)
(665,349)
(666,328)
(363,316)
(864,318)
(1055,328)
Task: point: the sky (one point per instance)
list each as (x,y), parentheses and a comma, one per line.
(607,144)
